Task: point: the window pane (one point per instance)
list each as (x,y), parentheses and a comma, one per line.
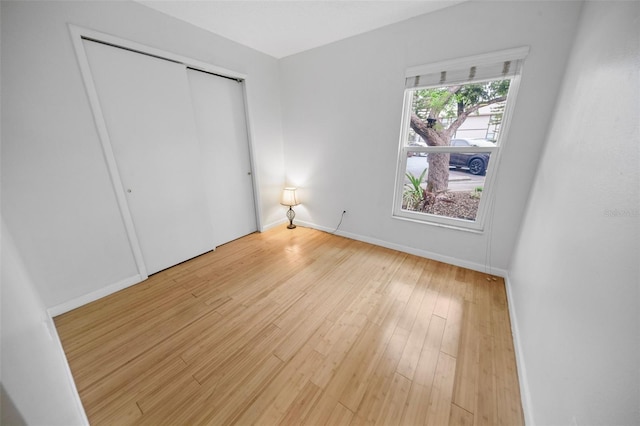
(464,178)
(475,109)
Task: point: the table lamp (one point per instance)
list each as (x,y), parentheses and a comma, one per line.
(289,199)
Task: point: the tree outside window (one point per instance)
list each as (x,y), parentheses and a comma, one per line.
(451,131)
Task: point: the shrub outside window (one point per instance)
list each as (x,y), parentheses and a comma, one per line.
(454,125)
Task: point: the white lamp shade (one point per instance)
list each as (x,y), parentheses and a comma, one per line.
(289,197)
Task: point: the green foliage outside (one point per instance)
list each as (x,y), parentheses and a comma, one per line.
(413,193)
(447,103)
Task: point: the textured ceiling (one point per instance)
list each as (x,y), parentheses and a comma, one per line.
(282,28)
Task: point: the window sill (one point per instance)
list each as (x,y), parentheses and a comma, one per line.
(440,224)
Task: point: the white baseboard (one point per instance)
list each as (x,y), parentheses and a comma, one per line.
(266,227)
(525,395)
(411,250)
(53,332)
(93,296)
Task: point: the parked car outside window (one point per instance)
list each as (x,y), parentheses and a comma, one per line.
(476,162)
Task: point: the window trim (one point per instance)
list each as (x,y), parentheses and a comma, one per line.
(485,207)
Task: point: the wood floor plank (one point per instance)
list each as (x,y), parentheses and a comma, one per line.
(290,369)
(509,408)
(467,367)
(116,352)
(394,404)
(298,327)
(336,345)
(144,298)
(184,385)
(145,369)
(426,368)
(130,391)
(413,349)
(340,416)
(226,408)
(415,412)
(375,400)
(485,412)
(236,358)
(302,405)
(439,410)
(364,357)
(322,410)
(460,417)
(125,327)
(453,328)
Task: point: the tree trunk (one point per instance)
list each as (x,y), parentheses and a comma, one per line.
(438,175)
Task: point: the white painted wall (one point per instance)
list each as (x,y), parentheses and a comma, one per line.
(34,371)
(342,106)
(575,277)
(57,199)
(64,237)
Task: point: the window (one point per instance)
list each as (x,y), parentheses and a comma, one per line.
(454,125)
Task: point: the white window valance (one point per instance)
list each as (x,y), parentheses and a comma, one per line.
(490,66)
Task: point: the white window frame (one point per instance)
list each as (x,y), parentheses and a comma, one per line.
(487,198)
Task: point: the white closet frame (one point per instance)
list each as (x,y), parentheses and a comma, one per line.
(80,33)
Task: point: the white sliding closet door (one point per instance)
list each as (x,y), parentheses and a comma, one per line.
(220,117)
(149,117)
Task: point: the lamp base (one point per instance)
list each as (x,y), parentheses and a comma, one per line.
(290,215)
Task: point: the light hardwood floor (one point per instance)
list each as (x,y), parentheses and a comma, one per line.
(298,327)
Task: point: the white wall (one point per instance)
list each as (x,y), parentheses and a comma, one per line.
(575,277)
(57,198)
(342,106)
(34,370)
(64,237)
